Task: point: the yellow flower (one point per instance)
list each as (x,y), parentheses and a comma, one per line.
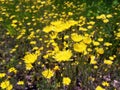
(33,42)
(56,68)
(29,66)
(108,62)
(2,75)
(95,43)
(87,40)
(12,69)
(99,88)
(102,16)
(100,50)
(100,39)
(47,29)
(66,81)
(95,67)
(6,85)
(20,82)
(80,47)
(111,57)
(105,83)
(70,13)
(82,29)
(107,44)
(64,55)
(14,21)
(105,20)
(93,61)
(118,34)
(109,16)
(30,58)
(76,38)
(90,27)
(48,73)
(10,87)
(92,22)
(53,35)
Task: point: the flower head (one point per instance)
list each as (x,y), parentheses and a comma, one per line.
(80,47)
(99,88)
(48,73)
(64,55)
(66,81)
(30,58)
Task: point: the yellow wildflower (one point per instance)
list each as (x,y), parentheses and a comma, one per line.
(105,83)
(111,57)
(12,69)
(6,85)
(95,43)
(66,81)
(33,42)
(30,58)
(109,16)
(2,75)
(107,44)
(89,27)
(108,62)
(20,82)
(76,38)
(28,66)
(56,68)
(64,55)
(80,47)
(14,21)
(105,20)
(47,29)
(82,29)
(100,39)
(99,88)
(102,16)
(95,67)
(100,50)
(87,40)
(48,73)
(92,61)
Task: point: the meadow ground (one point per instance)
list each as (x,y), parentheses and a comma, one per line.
(59,45)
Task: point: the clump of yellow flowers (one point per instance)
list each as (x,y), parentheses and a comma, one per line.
(6,85)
